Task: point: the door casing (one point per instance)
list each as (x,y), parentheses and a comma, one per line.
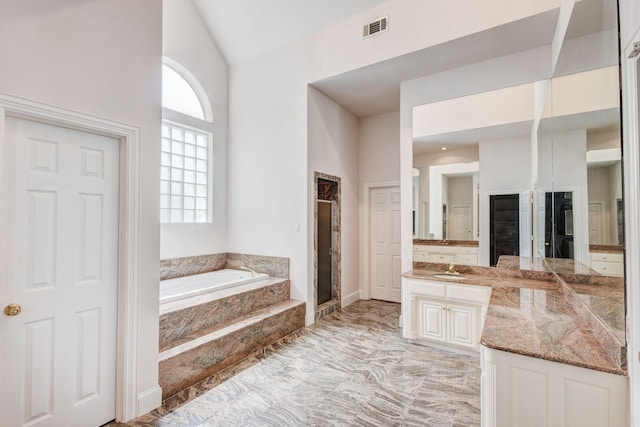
(129,403)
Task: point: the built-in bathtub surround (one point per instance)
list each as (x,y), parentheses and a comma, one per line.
(184,320)
(328,188)
(191,362)
(209,331)
(271,265)
(187,266)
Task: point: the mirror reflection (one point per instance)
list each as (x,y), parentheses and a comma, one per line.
(530,175)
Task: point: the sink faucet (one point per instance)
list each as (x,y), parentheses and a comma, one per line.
(452,269)
(253,272)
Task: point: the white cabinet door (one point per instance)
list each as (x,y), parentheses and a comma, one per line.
(431,318)
(524,391)
(462,323)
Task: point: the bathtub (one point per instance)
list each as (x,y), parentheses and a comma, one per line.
(198,284)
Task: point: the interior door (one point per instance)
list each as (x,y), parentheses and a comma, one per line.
(595,223)
(462,223)
(58,266)
(385,243)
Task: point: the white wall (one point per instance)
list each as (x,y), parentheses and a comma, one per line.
(268,176)
(629,21)
(452,155)
(378,162)
(505,169)
(379,148)
(333,150)
(187,41)
(100,58)
(563,167)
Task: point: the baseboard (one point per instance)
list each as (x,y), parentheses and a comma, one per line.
(350,299)
(149,400)
(310,319)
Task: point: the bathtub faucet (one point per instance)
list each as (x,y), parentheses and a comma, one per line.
(253,272)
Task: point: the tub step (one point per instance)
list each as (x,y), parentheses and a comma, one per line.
(185,320)
(192,361)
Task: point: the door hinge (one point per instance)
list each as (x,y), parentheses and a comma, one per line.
(636,50)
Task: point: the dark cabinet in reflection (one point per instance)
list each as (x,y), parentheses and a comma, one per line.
(504,227)
(559,225)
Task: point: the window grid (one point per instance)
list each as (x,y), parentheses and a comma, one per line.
(184,174)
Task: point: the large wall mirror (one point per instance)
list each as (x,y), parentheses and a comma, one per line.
(531,172)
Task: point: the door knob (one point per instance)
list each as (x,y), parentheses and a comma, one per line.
(12,309)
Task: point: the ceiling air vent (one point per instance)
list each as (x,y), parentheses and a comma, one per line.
(375,27)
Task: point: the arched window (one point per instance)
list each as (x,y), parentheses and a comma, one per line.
(178,95)
(186,149)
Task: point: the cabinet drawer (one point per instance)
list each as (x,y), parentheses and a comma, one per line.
(608,268)
(443,249)
(467,259)
(427,288)
(431,257)
(420,248)
(469,293)
(603,256)
(467,250)
(419,256)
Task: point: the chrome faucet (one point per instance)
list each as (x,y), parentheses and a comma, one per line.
(253,272)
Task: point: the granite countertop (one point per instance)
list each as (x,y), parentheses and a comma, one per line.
(610,249)
(532,317)
(471,243)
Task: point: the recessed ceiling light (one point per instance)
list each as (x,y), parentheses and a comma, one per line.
(444,148)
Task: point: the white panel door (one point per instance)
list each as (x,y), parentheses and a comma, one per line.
(58,261)
(384,243)
(595,223)
(462,223)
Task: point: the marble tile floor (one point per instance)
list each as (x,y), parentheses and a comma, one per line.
(352,368)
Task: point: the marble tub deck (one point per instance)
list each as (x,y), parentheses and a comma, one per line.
(351,368)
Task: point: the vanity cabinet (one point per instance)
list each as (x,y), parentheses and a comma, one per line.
(442,313)
(607,264)
(446,254)
(523,391)
(448,323)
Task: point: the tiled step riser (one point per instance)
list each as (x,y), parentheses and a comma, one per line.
(190,367)
(180,326)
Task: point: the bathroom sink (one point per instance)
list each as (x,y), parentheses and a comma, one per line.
(449,276)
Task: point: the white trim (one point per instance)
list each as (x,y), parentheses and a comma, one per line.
(350,299)
(129,241)
(631,168)
(195,85)
(148,400)
(365,252)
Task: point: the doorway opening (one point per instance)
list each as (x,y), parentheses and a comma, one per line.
(327,248)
